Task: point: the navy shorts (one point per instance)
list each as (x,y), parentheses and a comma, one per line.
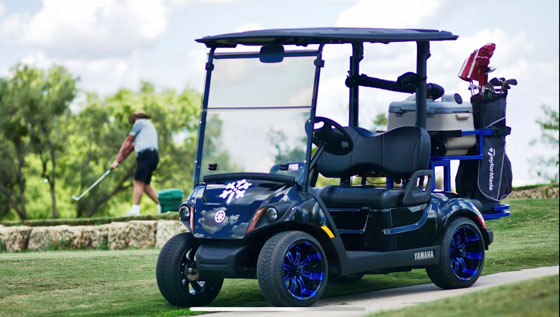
(146,163)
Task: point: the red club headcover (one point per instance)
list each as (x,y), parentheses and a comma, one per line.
(475,66)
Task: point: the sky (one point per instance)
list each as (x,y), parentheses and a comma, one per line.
(110,44)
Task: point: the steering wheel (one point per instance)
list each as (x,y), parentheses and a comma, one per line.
(332,136)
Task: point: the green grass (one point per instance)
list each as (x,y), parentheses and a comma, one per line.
(537,297)
(527,238)
(123,282)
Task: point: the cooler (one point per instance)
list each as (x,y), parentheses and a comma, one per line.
(444,121)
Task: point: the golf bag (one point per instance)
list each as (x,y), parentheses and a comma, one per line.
(488,180)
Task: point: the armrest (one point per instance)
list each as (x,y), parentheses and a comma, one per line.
(419,188)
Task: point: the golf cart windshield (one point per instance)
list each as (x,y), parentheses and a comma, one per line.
(256,114)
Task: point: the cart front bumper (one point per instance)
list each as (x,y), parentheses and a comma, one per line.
(220,261)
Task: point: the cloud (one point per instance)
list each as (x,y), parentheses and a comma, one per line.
(389,14)
(249,27)
(216,1)
(123,72)
(89,29)
(231,73)
(96,40)
(204,2)
(11,27)
(516,56)
(2,9)
(511,58)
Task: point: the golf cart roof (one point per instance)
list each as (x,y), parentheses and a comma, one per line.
(307,36)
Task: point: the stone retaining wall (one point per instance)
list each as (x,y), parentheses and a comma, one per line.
(135,234)
(549,191)
(114,236)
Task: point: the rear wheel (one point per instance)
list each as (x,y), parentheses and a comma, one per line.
(176,274)
(292,269)
(462,256)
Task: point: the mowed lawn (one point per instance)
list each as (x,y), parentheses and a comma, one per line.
(123,282)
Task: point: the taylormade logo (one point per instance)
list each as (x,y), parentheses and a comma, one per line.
(491,154)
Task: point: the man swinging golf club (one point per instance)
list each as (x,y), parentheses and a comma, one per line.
(143,139)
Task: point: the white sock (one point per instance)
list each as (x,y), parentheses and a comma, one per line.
(159,209)
(135,209)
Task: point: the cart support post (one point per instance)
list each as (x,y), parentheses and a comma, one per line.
(354,104)
(423,54)
(202,122)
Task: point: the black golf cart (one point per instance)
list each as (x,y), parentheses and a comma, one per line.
(257,210)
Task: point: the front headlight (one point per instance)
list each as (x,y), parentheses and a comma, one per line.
(185,211)
(271,214)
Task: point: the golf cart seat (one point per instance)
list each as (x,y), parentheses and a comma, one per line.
(401,153)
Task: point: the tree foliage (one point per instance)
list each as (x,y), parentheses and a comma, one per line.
(286,152)
(102,125)
(380,122)
(59,89)
(50,153)
(547,167)
(31,101)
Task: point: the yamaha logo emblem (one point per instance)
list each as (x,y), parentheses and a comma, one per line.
(220,216)
(423,255)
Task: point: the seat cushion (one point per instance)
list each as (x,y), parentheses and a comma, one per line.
(361,196)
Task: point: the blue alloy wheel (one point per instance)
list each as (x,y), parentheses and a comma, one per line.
(461,255)
(466,253)
(292,269)
(304,270)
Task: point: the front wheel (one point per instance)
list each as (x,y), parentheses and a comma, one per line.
(462,256)
(292,269)
(176,274)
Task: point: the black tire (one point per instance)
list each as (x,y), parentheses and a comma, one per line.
(292,269)
(462,256)
(345,279)
(176,274)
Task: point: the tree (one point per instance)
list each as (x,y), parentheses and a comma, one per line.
(549,136)
(7,178)
(380,122)
(31,102)
(101,126)
(59,89)
(214,150)
(285,152)
(19,101)
(93,135)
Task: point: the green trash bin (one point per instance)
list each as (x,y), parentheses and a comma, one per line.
(170,199)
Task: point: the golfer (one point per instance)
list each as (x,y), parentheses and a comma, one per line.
(143,139)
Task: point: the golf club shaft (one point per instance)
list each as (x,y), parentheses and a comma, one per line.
(94,184)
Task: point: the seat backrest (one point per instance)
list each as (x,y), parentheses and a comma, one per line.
(397,153)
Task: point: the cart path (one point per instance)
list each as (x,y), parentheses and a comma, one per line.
(389,299)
